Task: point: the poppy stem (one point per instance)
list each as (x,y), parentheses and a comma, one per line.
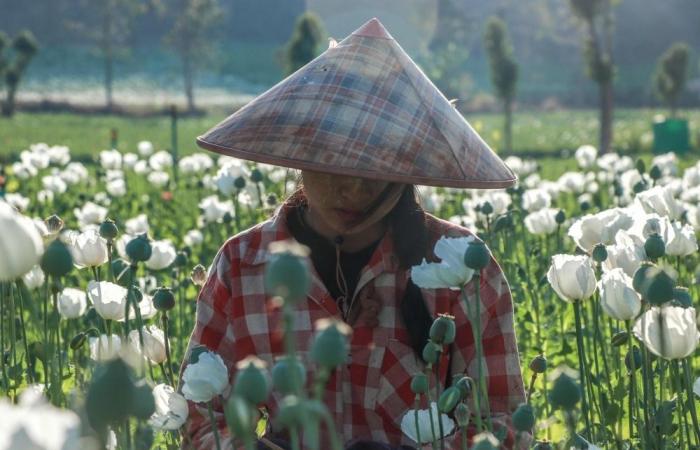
(214,425)
(581,364)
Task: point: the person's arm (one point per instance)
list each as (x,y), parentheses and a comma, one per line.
(212,331)
(501,364)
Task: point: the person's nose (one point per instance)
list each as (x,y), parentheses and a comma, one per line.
(351,190)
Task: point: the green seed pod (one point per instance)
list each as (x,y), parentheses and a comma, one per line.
(485,441)
(291,412)
(419,383)
(524,417)
(57,260)
(477,256)
(180,259)
(657,287)
(538,364)
(121,270)
(196,351)
(239,182)
(256,175)
(109,230)
(465,386)
(487,208)
(565,392)
(139,249)
(288,375)
(111,385)
(682,296)
(227,218)
(655,172)
(502,223)
(330,347)
(640,275)
(443,330)
(449,399)
(143,405)
(287,276)
(239,416)
(637,358)
(654,246)
(619,339)
(641,166)
(78,341)
(462,414)
(251,383)
(431,353)
(163,299)
(560,217)
(585,205)
(599,253)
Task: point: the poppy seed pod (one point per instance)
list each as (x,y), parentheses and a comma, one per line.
(477,255)
(485,441)
(565,392)
(121,271)
(465,386)
(57,260)
(196,351)
(419,383)
(449,399)
(640,275)
(256,175)
(163,299)
(287,276)
(462,414)
(599,253)
(443,330)
(560,217)
(239,182)
(502,223)
(291,413)
(431,353)
(637,355)
(655,172)
(139,249)
(288,375)
(524,418)
(641,166)
(657,287)
(330,347)
(682,296)
(180,259)
(654,246)
(143,405)
(238,416)
(78,341)
(619,339)
(108,230)
(487,208)
(251,383)
(538,364)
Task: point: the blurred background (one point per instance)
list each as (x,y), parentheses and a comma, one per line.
(515,66)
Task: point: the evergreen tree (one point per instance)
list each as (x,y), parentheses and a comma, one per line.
(672,74)
(14,60)
(504,72)
(306,42)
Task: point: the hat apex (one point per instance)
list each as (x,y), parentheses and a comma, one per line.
(373,28)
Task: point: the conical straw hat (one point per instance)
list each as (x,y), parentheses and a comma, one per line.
(362,108)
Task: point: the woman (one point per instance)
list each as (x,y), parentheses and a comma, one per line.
(364,124)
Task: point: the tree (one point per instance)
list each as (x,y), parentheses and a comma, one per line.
(306,42)
(21,51)
(598,20)
(504,72)
(190,38)
(107,23)
(671,74)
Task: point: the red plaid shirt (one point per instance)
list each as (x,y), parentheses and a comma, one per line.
(369,396)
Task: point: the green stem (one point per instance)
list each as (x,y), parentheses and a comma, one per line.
(3,369)
(693,410)
(30,375)
(428,372)
(416,406)
(214,425)
(582,363)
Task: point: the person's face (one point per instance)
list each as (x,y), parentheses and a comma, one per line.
(339,201)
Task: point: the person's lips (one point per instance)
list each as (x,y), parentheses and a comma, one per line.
(348,214)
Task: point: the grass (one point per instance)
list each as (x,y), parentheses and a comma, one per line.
(549,134)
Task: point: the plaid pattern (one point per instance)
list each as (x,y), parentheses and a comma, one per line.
(362,108)
(368,396)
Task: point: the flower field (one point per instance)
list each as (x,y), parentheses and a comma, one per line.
(101,264)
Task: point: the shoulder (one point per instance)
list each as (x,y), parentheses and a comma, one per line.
(249,247)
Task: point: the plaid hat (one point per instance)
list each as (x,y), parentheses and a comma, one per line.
(362,108)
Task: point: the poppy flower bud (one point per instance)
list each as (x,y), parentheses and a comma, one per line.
(56,260)
(163,299)
(431,353)
(637,355)
(448,399)
(108,230)
(199,275)
(657,287)
(620,338)
(288,375)
(54,224)
(560,217)
(565,392)
(251,382)
(419,383)
(139,249)
(462,414)
(330,347)
(477,256)
(502,223)
(599,253)
(256,175)
(640,275)
(443,330)
(78,341)
(465,386)
(524,417)
(641,166)
(287,276)
(538,364)
(655,172)
(654,246)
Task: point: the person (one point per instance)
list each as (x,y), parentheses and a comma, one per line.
(364,125)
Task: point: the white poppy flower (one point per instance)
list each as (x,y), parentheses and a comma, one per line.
(21,242)
(162,256)
(160,160)
(205,379)
(684,241)
(72,303)
(137,225)
(541,221)
(34,278)
(617,296)
(408,424)
(89,249)
(450,272)
(108,298)
(572,277)
(153,343)
(585,156)
(193,237)
(90,213)
(171,409)
(110,159)
(104,348)
(670,332)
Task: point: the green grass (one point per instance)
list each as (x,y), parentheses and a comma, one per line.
(535,132)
